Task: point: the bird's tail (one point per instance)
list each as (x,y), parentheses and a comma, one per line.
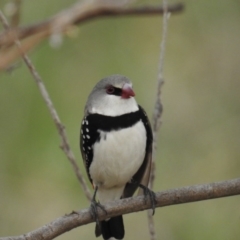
(112,227)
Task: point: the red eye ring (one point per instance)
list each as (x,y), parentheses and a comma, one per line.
(110,89)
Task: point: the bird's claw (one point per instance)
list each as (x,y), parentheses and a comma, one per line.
(152,196)
(94,212)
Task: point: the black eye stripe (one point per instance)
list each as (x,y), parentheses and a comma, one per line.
(114,91)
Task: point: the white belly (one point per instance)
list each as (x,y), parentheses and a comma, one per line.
(117,159)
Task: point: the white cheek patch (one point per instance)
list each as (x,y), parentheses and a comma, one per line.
(112,105)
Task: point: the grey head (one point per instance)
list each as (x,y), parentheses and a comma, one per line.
(111,96)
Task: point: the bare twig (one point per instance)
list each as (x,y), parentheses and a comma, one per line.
(158,108)
(61,130)
(135,204)
(8,56)
(82,12)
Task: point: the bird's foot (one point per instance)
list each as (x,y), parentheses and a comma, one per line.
(94,206)
(93,210)
(152,196)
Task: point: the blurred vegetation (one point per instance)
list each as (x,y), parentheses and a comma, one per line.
(199,140)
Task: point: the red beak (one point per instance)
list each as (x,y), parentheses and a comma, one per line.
(127,91)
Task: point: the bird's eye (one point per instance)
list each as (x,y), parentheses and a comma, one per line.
(110,89)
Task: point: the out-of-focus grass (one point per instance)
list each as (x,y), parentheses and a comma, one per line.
(198,141)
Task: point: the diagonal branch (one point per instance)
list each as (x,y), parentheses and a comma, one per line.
(128,205)
(60,127)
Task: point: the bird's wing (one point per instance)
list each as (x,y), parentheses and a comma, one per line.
(143,174)
(87,129)
(146,176)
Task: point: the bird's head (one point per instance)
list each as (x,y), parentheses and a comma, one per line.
(112,96)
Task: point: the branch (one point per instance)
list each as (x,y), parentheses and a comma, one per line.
(80,13)
(158,107)
(60,127)
(134,204)
(157,113)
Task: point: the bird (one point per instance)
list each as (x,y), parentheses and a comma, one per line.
(116,146)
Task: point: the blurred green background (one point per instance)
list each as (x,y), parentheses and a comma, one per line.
(199,141)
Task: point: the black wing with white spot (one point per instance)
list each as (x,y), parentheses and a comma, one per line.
(88,136)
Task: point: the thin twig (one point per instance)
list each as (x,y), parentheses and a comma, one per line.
(134,204)
(61,130)
(91,11)
(59,24)
(157,114)
(158,108)
(7,57)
